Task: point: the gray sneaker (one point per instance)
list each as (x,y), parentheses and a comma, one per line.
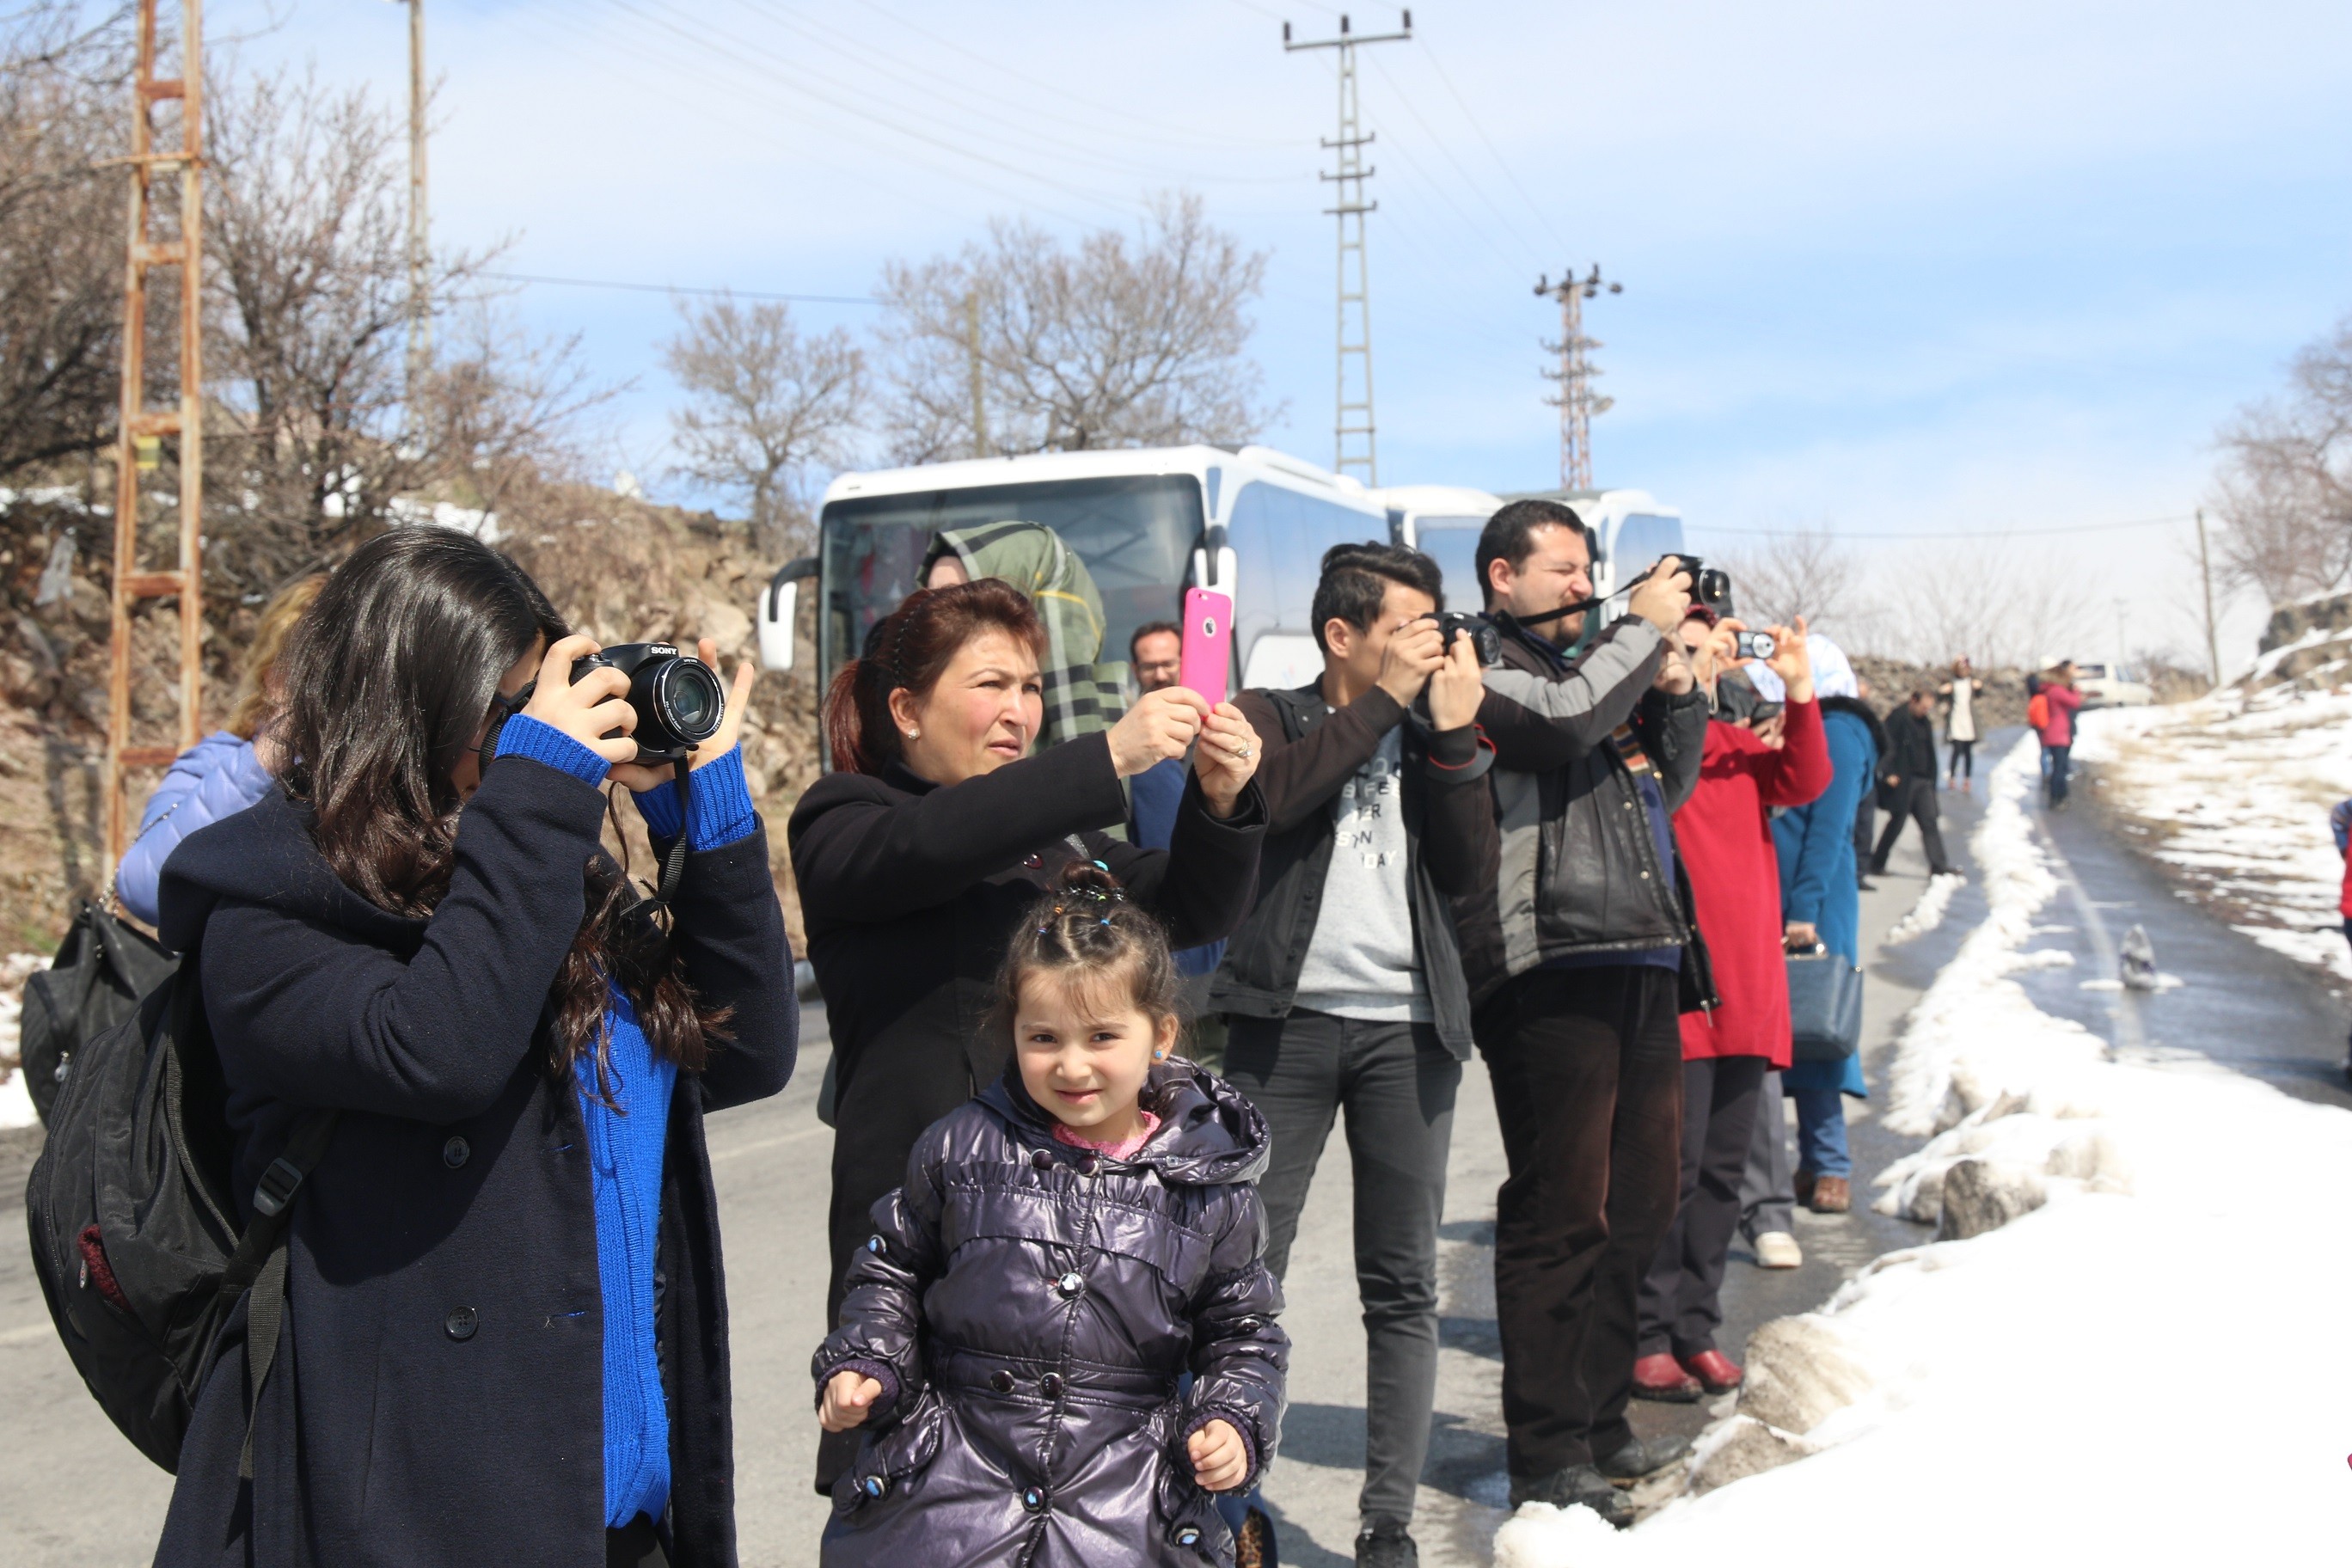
(1579,1486)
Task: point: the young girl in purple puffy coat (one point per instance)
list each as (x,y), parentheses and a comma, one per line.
(1066,1247)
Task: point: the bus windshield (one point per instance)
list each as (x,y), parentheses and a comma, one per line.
(1134,532)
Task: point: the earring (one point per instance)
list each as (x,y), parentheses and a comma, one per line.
(1160,1056)
(914,734)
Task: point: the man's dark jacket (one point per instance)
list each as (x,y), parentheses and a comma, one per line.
(1311,752)
(1580,870)
(1910,747)
(437,1394)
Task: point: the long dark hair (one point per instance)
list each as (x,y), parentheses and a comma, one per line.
(911,646)
(390,679)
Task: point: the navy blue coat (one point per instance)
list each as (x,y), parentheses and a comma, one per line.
(438,1392)
(1028,1309)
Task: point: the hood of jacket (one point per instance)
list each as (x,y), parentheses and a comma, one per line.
(1860,709)
(1208,1135)
(264,855)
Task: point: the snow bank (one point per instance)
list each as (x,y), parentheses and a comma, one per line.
(2231,793)
(16,1103)
(1928,913)
(2067,1387)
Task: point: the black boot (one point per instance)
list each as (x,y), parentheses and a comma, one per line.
(1641,1456)
(1385,1543)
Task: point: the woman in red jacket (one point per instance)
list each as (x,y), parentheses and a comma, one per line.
(1724,834)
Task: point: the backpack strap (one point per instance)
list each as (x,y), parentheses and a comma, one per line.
(259,1260)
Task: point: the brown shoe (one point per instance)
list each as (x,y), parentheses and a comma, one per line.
(1831,1195)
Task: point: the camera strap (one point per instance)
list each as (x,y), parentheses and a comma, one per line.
(673,870)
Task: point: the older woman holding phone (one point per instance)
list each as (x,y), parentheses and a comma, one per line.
(917,856)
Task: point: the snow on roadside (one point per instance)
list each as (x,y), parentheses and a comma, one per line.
(2065,1387)
(16,1103)
(1928,913)
(2231,793)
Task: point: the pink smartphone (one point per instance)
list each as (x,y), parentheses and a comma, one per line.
(1208,654)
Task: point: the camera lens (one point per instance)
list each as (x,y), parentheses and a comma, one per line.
(689,700)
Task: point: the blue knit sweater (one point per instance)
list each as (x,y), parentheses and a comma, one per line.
(625,1139)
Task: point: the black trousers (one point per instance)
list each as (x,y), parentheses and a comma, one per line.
(636,1544)
(1682,1296)
(1865,828)
(2062,762)
(1397,1084)
(1963,760)
(1586,1066)
(1915,800)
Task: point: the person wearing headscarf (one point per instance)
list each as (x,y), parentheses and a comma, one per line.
(1819,901)
(1082,694)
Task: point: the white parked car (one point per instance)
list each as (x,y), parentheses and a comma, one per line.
(2111,686)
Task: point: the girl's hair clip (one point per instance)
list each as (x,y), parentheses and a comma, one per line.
(1099,866)
(1105,919)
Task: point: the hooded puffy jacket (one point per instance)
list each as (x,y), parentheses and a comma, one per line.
(1028,1308)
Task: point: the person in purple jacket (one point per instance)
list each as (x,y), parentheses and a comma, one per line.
(227,770)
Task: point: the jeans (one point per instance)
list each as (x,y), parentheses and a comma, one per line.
(1821,1132)
(1915,800)
(2061,759)
(1682,1294)
(1587,1071)
(1963,760)
(1397,1084)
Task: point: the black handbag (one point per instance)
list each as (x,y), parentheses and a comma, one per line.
(1825,1006)
(103,967)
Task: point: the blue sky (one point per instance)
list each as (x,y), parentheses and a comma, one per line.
(1890,268)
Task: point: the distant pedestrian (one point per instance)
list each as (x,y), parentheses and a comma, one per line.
(1066,1247)
(1866,810)
(1907,776)
(1725,834)
(2064,701)
(1958,697)
(2339,821)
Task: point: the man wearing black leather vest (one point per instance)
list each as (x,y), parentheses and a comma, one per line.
(1580,960)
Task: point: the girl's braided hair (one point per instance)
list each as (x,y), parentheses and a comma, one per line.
(1087,932)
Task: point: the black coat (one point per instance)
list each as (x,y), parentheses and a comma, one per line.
(1910,751)
(438,1391)
(1028,1308)
(912,892)
(1311,752)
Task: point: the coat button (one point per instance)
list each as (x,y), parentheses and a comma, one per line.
(460,1324)
(874,1486)
(1033,1498)
(1248,1325)
(1042,1160)
(874,1244)
(456,1152)
(1052,1384)
(1070,1284)
(1089,1163)
(1001,1380)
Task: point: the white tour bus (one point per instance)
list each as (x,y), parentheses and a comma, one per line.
(1253,523)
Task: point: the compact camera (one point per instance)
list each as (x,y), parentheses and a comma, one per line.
(1754,645)
(1482,633)
(678,699)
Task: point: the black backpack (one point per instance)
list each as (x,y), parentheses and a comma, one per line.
(103,967)
(134,1234)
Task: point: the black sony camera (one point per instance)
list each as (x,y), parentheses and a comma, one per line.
(1482,633)
(678,699)
(1710,585)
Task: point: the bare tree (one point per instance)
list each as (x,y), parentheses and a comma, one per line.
(1113,344)
(62,110)
(306,227)
(1808,572)
(2285,483)
(763,404)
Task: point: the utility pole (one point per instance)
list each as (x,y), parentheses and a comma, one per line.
(2205,569)
(979,401)
(1576,400)
(420,304)
(138,444)
(1353,442)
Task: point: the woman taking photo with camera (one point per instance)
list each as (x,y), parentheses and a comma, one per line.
(504,1334)
(920,854)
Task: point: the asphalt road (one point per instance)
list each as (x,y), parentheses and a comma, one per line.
(73,1492)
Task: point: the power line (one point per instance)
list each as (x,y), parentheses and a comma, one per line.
(1468,179)
(1479,126)
(2023,532)
(678,288)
